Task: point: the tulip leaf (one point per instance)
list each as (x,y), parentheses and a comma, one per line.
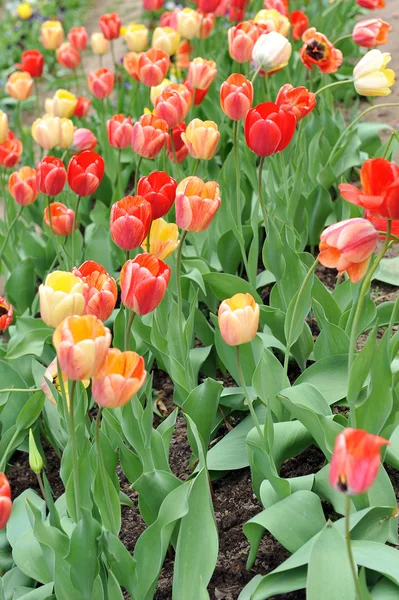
(385,589)
(31,411)
(201,405)
(224,286)
(83,554)
(121,562)
(329,375)
(21,285)
(268,380)
(153,487)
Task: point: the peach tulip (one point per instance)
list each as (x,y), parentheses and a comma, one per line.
(201,73)
(196,203)
(236,96)
(149,135)
(201,138)
(22,186)
(238,319)
(172,104)
(119,379)
(19,85)
(152,66)
(101,83)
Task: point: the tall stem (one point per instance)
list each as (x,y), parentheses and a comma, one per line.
(331,85)
(238,195)
(260,191)
(173,146)
(52,234)
(178,285)
(285,179)
(247,396)
(256,74)
(75,462)
(9,230)
(75,220)
(196,165)
(349,548)
(128,328)
(341,38)
(136,176)
(119,187)
(36,86)
(103,472)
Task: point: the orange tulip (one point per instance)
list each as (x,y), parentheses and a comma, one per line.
(100,291)
(206,23)
(10,151)
(61,217)
(296,100)
(5,501)
(201,73)
(149,136)
(299,23)
(371,33)
(101,83)
(236,96)
(164,239)
(318,50)
(238,319)
(201,138)
(22,186)
(68,56)
(196,203)
(152,66)
(182,56)
(131,64)
(119,379)
(19,85)
(172,104)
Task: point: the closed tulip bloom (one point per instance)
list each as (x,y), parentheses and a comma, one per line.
(370,33)
(10,151)
(371,78)
(348,246)
(271,52)
(6,314)
(152,5)
(299,24)
(85,172)
(5,501)
(83,139)
(166,39)
(201,73)
(51,35)
(319,51)
(119,379)
(51,176)
(238,319)
(99,44)
(32,61)
(296,100)
(119,130)
(371,4)
(268,129)
(152,66)
(22,186)
(3,127)
(68,56)
(82,107)
(136,37)
(61,217)
(158,89)
(241,40)
(164,239)
(131,64)
(201,139)
(180,148)
(47,131)
(81,344)
(159,189)
(19,85)
(67,133)
(100,291)
(78,38)
(196,203)
(143,283)
(101,83)
(355,461)
(206,23)
(379,191)
(272,20)
(110,25)
(130,221)
(61,295)
(173,104)
(236,96)
(188,23)
(149,136)
(62,104)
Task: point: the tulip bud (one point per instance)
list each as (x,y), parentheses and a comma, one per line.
(100,291)
(238,319)
(6,314)
(32,61)
(83,139)
(318,50)
(101,83)
(268,129)
(201,138)
(196,203)
(110,25)
(22,186)
(78,38)
(159,189)
(173,104)
(236,95)
(5,501)
(271,52)
(3,126)
(51,35)
(371,32)
(164,239)
(99,44)
(149,136)
(119,379)
(85,172)
(68,56)
(60,295)
(241,40)
(62,104)
(62,218)
(371,77)
(143,283)
(152,66)
(201,73)
(130,221)
(136,37)
(119,131)
(50,176)
(35,458)
(19,85)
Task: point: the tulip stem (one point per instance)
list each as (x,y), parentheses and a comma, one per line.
(349,548)
(75,462)
(256,74)
(103,472)
(119,186)
(136,176)
(75,221)
(36,86)
(178,285)
(173,146)
(196,165)
(30,390)
(41,486)
(246,394)
(343,37)
(267,88)
(52,234)
(9,230)
(389,144)
(128,328)
(331,85)
(260,192)
(238,196)
(285,179)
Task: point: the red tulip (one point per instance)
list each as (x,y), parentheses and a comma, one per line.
(100,291)
(119,130)
(110,26)
(61,218)
(68,56)
(51,176)
(5,501)
(152,66)
(208,6)
(300,24)
(85,172)
(382,224)
(143,283)
(149,136)
(180,147)
(152,5)
(236,95)
(82,107)
(296,100)
(130,221)
(22,186)
(10,151)
(78,38)
(32,61)
(101,83)
(172,104)
(6,314)
(159,189)
(268,129)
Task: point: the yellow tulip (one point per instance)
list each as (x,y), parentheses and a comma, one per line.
(62,104)
(136,37)
(24,11)
(164,239)
(61,295)
(3,126)
(371,78)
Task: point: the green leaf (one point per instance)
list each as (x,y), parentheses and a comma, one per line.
(378,557)
(268,380)
(110,511)
(298,308)
(329,375)
(13,401)
(153,487)
(83,553)
(225,285)
(201,406)
(41,593)
(31,342)
(388,271)
(120,561)
(385,589)
(21,285)
(12,579)
(361,367)
(28,555)
(31,411)
(113,588)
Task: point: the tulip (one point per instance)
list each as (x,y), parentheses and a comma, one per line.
(78,38)
(380,188)
(172,104)
(67,133)
(83,139)
(119,379)
(32,62)
(201,73)
(165,39)
(371,78)
(10,151)
(355,461)
(381,224)
(149,136)
(62,218)
(3,127)
(208,6)
(99,44)
(271,52)
(299,23)
(51,374)
(100,291)
(238,319)
(201,139)
(51,35)
(47,131)
(272,20)
(131,64)
(196,203)
(371,4)
(24,11)
(152,66)
(182,56)
(163,239)
(318,50)
(152,5)
(206,23)
(296,100)
(159,189)
(5,501)
(110,25)
(6,314)
(82,344)
(268,129)
(280,5)
(179,148)
(22,186)
(82,107)
(188,23)
(241,40)
(236,96)
(348,246)
(101,83)
(85,172)
(68,56)
(136,37)
(119,130)
(370,33)
(143,283)
(61,295)
(130,221)
(50,176)
(19,85)
(236,13)
(158,89)
(62,104)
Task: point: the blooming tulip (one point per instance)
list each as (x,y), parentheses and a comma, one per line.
(371,4)
(110,25)
(355,461)
(10,151)
(22,186)
(50,176)
(196,203)
(47,131)
(299,23)
(152,66)
(82,344)
(143,283)
(268,129)
(370,33)
(172,104)
(82,106)
(241,40)
(271,52)
(179,148)
(62,218)
(68,56)
(5,501)
(318,50)
(272,20)
(163,239)
(296,100)
(85,172)
(238,319)
(51,35)
(99,44)
(83,139)
(149,136)
(159,189)
(3,127)
(6,314)
(62,104)
(32,62)
(236,95)
(348,246)
(100,291)
(166,39)
(78,38)
(119,379)
(136,37)
(19,85)
(131,64)
(371,78)
(101,83)
(201,73)
(61,295)
(201,138)
(130,221)
(206,23)
(119,130)
(188,23)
